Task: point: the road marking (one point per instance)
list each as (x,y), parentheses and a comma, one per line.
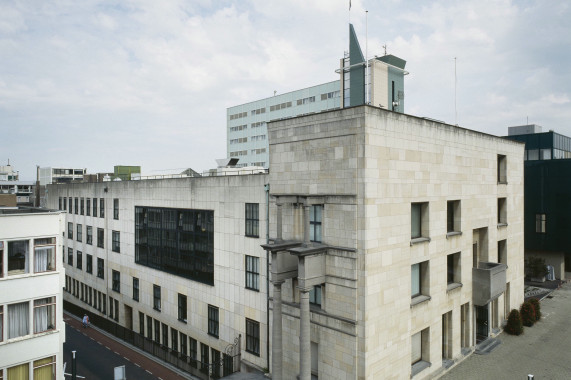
(160,378)
(99,343)
(148,371)
(126,358)
(137,365)
(117,353)
(108,348)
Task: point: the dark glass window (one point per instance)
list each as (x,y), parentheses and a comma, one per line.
(101,208)
(135,288)
(116,209)
(182,308)
(149,327)
(315,223)
(70,204)
(76,206)
(213,320)
(174,340)
(165,335)
(79,236)
(88,207)
(116,278)
(252,219)
(89,235)
(69,230)
(89,263)
(177,241)
(116,246)
(82,207)
(141,324)
(183,345)
(253,337)
(315,295)
(79,260)
(101,238)
(157,297)
(94,207)
(157,331)
(70,256)
(100,265)
(252,273)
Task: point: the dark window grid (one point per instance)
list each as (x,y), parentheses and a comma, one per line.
(253,337)
(76,206)
(79,236)
(149,327)
(174,340)
(213,321)
(100,265)
(116,281)
(157,331)
(116,244)
(82,207)
(176,241)
(315,295)
(70,205)
(88,207)
(141,324)
(89,238)
(252,219)
(157,297)
(193,352)
(79,263)
(135,289)
(69,230)
(183,345)
(165,330)
(94,207)
(116,209)
(252,273)
(102,208)
(101,238)
(182,308)
(315,217)
(89,263)
(70,256)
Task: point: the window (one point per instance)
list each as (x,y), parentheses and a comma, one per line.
(1,323)
(453,216)
(100,265)
(165,335)
(315,295)
(116,244)
(453,269)
(101,208)
(79,262)
(79,232)
(502,252)
(45,368)
(100,238)
(116,209)
(89,235)
(76,206)
(59,204)
(70,256)
(204,357)
(183,345)
(21,371)
(18,257)
(502,167)
(252,273)
(193,352)
(157,297)
(182,308)
(253,337)
(419,281)
(419,221)
(149,327)
(252,219)
(502,212)
(157,331)
(70,204)
(88,263)
(141,324)
(88,207)
(213,321)
(174,340)
(136,289)
(116,279)
(540,222)
(315,223)
(94,207)
(44,255)
(419,349)
(82,207)
(44,314)
(18,319)
(69,230)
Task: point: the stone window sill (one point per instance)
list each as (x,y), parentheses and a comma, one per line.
(419,240)
(453,233)
(500,225)
(419,367)
(419,299)
(453,285)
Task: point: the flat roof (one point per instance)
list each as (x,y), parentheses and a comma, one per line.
(22,210)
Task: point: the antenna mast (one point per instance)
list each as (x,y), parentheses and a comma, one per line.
(367,84)
(455,81)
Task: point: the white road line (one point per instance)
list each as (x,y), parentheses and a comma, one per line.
(117,353)
(108,348)
(148,371)
(126,358)
(99,343)
(137,365)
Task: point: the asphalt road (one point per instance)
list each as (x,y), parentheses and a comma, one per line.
(96,361)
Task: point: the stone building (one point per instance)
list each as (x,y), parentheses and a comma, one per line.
(32,331)
(396,243)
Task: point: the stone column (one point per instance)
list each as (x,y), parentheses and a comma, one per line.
(306,225)
(304,335)
(279,221)
(277,352)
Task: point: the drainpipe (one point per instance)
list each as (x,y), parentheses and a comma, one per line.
(267,189)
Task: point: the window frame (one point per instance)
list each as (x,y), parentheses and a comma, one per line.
(102,207)
(116,208)
(252,264)
(316,223)
(70,256)
(116,281)
(100,238)
(79,260)
(100,268)
(182,308)
(213,321)
(252,220)
(88,263)
(69,230)
(316,295)
(51,304)
(136,289)
(79,232)
(89,235)
(419,231)
(156,297)
(116,241)
(541,223)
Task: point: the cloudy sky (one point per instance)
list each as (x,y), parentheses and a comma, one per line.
(94,84)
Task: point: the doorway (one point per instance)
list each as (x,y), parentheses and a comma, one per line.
(482,330)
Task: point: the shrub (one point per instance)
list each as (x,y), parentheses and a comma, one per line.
(527,314)
(536,307)
(535,267)
(514,325)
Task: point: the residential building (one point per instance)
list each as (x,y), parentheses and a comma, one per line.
(177,262)
(547,169)
(32,331)
(396,243)
(49,175)
(380,84)
(10,184)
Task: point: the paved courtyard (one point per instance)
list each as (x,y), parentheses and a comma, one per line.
(543,350)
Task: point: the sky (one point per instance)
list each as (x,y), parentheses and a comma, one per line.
(93,84)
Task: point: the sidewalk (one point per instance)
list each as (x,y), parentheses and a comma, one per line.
(542,350)
(162,371)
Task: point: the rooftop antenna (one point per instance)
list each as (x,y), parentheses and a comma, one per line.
(275,91)
(455,81)
(526,123)
(385,47)
(367,57)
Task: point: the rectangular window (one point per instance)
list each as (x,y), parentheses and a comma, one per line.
(252,273)
(88,263)
(45,368)
(453,216)
(419,279)
(82,207)
(502,252)
(149,327)
(213,321)
(116,209)
(44,314)
(416,349)
(502,212)
(193,352)
(94,207)
(76,206)
(89,235)
(100,265)
(136,289)
(116,281)
(18,319)
(502,169)
(70,204)
(69,230)
(44,255)
(157,331)
(253,337)
(174,340)
(70,256)
(101,208)
(141,324)
(59,204)
(315,295)
(79,232)
(453,268)
(540,223)
(116,243)
(182,308)
(101,238)
(315,214)
(21,371)
(88,207)
(157,297)
(165,335)
(419,220)
(79,263)
(18,257)
(183,345)
(252,219)
(1,323)
(204,360)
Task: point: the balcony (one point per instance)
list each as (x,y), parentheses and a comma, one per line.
(488,282)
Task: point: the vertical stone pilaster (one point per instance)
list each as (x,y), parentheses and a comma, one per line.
(279,220)
(306,224)
(277,351)
(304,335)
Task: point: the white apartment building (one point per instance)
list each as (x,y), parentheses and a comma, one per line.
(176,263)
(396,243)
(32,331)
